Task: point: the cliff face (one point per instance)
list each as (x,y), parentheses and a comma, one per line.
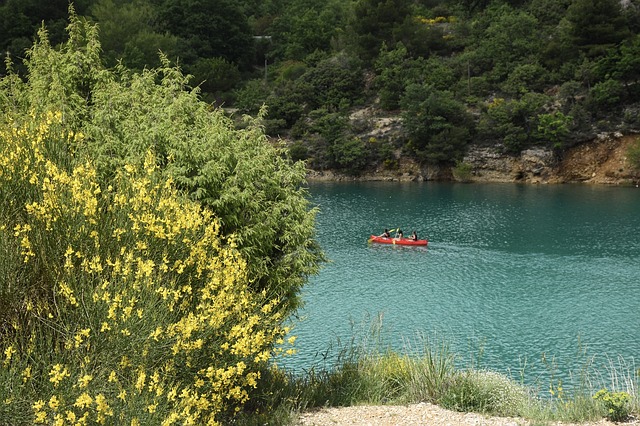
(599,161)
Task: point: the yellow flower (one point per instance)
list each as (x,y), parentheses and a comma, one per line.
(7,354)
(140,381)
(57,374)
(40,417)
(83,401)
(101,405)
(54,403)
(71,416)
(84,380)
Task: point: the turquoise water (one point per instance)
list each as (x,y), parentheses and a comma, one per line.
(511,274)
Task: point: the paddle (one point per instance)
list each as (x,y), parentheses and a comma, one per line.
(390,231)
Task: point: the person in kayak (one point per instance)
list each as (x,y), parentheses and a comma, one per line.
(414,236)
(385,234)
(399,234)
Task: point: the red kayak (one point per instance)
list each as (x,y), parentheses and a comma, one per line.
(397,241)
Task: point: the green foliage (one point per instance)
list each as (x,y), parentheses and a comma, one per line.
(238,174)
(212,28)
(166,246)
(633,154)
(525,78)
(298,56)
(439,127)
(510,38)
(351,154)
(554,128)
(128,33)
(139,283)
(394,71)
(306,26)
(286,105)
(216,76)
(515,122)
(21,19)
(374,23)
(298,151)
(606,94)
(596,25)
(548,12)
(621,66)
(250,98)
(485,392)
(290,71)
(616,403)
(334,83)
(462,172)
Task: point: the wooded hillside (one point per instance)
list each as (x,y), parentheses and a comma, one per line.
(521,73)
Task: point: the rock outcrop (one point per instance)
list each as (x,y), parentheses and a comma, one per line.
(602,160)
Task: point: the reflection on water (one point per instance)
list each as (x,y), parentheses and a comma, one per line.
(511,272)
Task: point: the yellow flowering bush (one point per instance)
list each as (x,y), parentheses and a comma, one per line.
(122,303)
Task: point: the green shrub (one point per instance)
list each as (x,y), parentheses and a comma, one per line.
(148,262)
(485,392)
(118,293)
(633,154)
(334,83)
(438,126)
(462,172)
(215,75)
(606,95)
(554,128)
(252,96)
(616,403)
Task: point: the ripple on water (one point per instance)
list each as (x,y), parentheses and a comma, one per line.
(509,273)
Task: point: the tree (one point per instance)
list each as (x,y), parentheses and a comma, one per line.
(515,122)
(21,19)
(209,28)
(334,83)
(596,25)
(306,26)
(128,33)
(216,76)
(511,38)
(374,23)
(438,126)
(393,68)
(548,12)
(166,246)
(554,128)
(243,179)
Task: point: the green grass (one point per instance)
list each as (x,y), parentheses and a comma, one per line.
(378,377)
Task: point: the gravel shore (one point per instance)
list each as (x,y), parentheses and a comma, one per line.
(422,414)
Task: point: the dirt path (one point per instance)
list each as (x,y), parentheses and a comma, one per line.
(422,414)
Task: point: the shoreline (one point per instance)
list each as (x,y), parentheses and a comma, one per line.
(601,161)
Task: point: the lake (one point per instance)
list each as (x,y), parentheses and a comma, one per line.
(532,281)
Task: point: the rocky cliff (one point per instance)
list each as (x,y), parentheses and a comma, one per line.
(602,160)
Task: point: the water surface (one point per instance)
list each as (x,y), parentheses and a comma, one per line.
(511,274)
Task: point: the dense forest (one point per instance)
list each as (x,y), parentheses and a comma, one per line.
(516,72)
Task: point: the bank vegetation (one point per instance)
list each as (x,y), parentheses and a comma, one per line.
(152,252)
(512,75)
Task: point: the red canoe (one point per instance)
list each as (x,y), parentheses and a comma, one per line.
(397,241)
